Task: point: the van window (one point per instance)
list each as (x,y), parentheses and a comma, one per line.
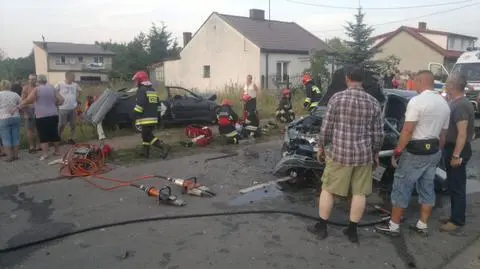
(469,70)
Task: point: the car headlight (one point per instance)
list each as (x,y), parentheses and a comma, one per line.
(444,94)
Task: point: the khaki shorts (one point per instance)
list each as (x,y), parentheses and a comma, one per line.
(344,180)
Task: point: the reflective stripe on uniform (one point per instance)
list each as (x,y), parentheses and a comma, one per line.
(153,140)
(138,109)
(251,128)
(146,121)
(307,100)
(314,104)
(152,97)
(145,143)
(232,134)
(315,89)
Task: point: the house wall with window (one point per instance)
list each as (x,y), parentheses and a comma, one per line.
(215,57)
(459,43)
(79,62)
(282,67)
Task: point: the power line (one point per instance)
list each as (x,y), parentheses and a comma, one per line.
(379,8)
(410,18)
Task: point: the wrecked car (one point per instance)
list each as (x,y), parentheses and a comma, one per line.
(299,147)
(180,106)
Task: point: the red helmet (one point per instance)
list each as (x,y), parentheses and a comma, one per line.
(140,76)
(306,78)
(226,102)
(286,92)
(246,97)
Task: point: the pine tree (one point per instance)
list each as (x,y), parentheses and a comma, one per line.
(360,42)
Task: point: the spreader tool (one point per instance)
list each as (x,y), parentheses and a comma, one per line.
(164,195)
(190,186)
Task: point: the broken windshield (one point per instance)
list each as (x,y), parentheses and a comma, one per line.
(470,70)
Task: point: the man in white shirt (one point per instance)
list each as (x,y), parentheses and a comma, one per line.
(418,153)
(70,91)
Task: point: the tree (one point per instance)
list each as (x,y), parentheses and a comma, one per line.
(3,55)
(389,64)
(360,42)
(318,68)
(13,69)
(338,46)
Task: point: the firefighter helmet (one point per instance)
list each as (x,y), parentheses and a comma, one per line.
(306,78)
(226,102)
(140,76)
(286,92)
(246,98)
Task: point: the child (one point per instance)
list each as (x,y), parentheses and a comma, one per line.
(227,118)
(284,110)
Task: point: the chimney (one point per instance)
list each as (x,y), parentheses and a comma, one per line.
(187,36)
(257,14)
(422,25)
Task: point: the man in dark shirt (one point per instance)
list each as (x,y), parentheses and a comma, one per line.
(351,137)
(458,150)
(17,87)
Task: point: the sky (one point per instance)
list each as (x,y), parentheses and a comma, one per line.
(87,21)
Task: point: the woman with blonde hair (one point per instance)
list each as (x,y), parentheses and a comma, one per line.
(9,121)
(46,100)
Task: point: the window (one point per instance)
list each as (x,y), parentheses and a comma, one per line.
(80,59)
(98,59)
(206,71)
(451,43)
(282,71)
(159,74)
(63,60)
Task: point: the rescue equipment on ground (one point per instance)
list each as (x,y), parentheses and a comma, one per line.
(85,160)
(200,135)
(190,186)
(163,195)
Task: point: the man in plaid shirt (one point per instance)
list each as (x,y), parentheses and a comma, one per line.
(351,137)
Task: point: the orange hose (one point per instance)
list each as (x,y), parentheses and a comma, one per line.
(93,166)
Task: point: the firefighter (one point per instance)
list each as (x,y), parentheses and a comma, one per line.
(251,119)
(227,118)
(146,114)
(313,92)
(284,112)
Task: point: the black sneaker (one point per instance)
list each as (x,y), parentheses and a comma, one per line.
(352,236)
(422,232)
(319,229)
(385,229)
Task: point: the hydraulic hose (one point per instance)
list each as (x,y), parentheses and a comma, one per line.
(183,216)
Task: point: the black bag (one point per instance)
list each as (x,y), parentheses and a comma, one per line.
(423,147)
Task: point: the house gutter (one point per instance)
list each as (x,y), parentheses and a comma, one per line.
(266,70)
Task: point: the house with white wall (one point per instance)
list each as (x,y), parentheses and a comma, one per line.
(227,48)
(416,47)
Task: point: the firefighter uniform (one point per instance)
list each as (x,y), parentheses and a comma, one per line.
(146,117)
(251,119)
(227,118)
(313,93)
(284,112)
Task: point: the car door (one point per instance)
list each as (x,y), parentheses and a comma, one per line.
(185,105)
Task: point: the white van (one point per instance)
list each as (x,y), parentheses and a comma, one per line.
(468,64)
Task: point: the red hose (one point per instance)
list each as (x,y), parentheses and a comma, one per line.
(92,166)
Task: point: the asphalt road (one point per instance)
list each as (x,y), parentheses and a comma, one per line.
(37,211)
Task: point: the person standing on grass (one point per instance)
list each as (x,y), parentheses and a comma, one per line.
(251,90)
(70,91)
(458,150)
(418,153)
(46,100)
(29,115)
(9,122)
(350,138)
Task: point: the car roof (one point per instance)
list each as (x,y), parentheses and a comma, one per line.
(402,93)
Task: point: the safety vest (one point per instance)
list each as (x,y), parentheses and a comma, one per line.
(146,107)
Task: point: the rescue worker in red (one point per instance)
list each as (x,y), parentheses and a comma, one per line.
(313,92)
(227,118)
(146,114)
(251,119)
(284,112)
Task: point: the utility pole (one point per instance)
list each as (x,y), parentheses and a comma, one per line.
(270,9)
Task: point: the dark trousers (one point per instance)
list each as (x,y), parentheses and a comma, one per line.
(457,182)
(147,134)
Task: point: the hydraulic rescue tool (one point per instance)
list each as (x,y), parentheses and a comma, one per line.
(190,186)
(164,195)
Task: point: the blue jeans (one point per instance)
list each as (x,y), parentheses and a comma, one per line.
(457,183)
(414,170)
(10,131)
